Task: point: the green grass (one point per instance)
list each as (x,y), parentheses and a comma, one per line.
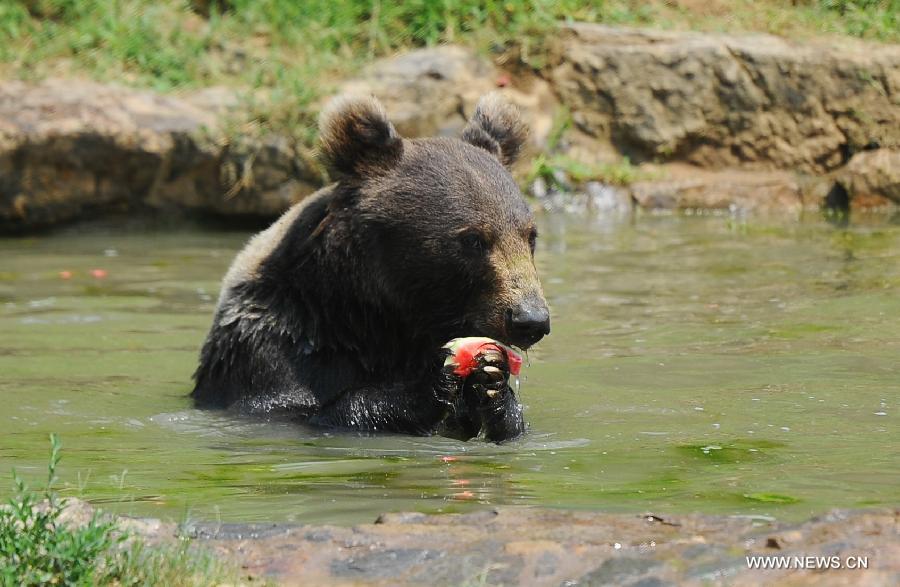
(38,548)
(288,54)
(562,173)
(621,172)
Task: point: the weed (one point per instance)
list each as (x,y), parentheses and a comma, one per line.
(37,546)
(552,168)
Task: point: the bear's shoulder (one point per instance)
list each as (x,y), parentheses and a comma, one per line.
(303,215)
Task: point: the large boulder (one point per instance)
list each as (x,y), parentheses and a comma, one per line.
(723,100)
(433,91)
(683,187)
(873,176)
(71,148)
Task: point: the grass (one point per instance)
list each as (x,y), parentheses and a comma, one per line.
(562,173)
(549,168)
(38,548)
(286,55)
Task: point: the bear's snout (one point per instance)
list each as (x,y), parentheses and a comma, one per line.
(528,322)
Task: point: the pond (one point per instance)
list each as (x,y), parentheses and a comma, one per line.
(696,364)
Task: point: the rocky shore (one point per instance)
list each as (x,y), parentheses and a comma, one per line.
(747,123)
(533,546)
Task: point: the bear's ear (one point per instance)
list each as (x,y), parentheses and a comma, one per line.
(357,139)
(497,127)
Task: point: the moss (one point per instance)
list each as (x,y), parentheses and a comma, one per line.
(775,498)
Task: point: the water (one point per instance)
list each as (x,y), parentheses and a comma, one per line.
(695,364)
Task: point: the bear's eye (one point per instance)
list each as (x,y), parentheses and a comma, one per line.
(532,239)
(474,242)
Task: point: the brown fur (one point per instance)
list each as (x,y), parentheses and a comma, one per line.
(339,312)
(497,127)
(357,139)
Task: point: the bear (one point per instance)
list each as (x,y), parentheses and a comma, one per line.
(340,313)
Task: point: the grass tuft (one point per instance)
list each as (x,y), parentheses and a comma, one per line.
(557,170)
(38,547)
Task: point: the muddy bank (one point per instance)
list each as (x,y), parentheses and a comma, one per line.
(710,118)
(523,546)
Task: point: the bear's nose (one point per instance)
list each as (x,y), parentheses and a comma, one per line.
(528,323)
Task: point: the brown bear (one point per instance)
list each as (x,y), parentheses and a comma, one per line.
(339,313)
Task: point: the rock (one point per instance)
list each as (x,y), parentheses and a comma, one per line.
(608,198)
(593,199)
(537,546)
(433,91)
(73,148)
(872,178)
(688,188)
(719,100)
(539,188)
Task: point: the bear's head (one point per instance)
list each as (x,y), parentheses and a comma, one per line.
(447,235)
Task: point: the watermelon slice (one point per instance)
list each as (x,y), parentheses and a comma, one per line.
(466,351)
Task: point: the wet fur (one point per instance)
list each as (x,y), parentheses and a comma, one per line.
(336,314)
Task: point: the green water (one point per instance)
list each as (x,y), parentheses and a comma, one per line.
(695,365)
